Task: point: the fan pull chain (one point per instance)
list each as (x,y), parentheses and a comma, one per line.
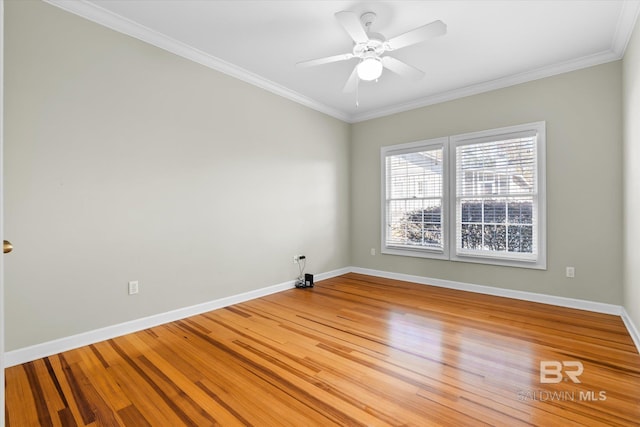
(357,93)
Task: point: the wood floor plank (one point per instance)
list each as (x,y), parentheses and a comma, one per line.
(354,350)
(56,373)
(143,396)
(21,411)
(109,390)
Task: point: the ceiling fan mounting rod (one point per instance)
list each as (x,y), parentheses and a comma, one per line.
(367,19)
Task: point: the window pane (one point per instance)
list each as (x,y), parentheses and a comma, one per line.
(433,234)
(520,212)
(471,211)
(495,237)
(521,238)
(414,233)
(495,211)
(432,215)
(471,236)
(396,211)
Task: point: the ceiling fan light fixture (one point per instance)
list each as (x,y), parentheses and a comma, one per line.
(369,69)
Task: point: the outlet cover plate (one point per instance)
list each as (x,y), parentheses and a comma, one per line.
(133,287)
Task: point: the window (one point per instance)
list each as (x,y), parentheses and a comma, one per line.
(498,203)
(414,199)
(494,210)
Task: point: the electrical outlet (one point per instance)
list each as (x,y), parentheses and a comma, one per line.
(133,287)
(295,259)
(373,251)
(571,272)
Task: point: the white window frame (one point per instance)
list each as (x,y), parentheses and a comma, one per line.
(540,233)
(420,252)
(449,204)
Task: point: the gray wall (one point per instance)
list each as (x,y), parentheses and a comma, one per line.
(582,110)
(631,79)
(125,162)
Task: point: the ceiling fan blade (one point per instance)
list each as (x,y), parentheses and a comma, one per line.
(351,24)
(401,68)
(352,81)
(417,35)
(326,60)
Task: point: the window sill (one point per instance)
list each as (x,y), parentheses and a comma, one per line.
(417,253)
(540,264)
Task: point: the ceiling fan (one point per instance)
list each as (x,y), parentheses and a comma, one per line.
(370,48)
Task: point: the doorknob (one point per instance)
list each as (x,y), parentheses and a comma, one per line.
(7,246)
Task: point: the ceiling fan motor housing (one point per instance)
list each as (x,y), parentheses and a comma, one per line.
(374,45)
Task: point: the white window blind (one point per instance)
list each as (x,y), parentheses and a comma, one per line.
(414,199)
(497,197)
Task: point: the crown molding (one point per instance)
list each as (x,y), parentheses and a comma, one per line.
(627,19)
(126,26)
(512,80)
(629,13)
(626,22)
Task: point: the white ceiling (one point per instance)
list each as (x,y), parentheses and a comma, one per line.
(488,45)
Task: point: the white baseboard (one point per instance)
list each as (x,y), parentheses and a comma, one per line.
(631,327)
(23,355)
(27,354)
(597,307)
(333,273)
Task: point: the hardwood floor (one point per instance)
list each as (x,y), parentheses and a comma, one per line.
(355,350)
